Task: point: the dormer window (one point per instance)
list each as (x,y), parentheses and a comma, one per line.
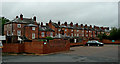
(19,25)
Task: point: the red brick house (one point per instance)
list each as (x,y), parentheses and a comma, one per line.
(45,31)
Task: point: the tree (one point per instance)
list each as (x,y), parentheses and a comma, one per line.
(3,20)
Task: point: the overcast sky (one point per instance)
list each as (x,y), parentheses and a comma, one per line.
(91,13)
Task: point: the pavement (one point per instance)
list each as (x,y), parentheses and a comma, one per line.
(107,53)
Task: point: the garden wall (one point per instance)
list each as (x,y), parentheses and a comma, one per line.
(38,47)
(105,41)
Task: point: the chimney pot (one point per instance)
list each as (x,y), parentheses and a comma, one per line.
(71,24)
(16,16)
(34,18)
(59,23)
(65,23)
(41,24)
(21,16)
(76,24)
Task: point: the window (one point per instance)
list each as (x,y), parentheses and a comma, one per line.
(19,25)
(33,28)
(42,34)
(82,30)
(65,29)
(82,34)
(77,30)
(7,33)
(51,34)
(87,31)
(19,33)
(72,30)
(87,35)
(72,34)
(77,35)
(91,35)
(65,34)
(59,30)
(33,35)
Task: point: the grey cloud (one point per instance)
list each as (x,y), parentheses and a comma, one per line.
(102,14)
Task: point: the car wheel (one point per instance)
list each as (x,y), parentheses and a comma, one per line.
(88,44)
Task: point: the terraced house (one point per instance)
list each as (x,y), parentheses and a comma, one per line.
(29,28)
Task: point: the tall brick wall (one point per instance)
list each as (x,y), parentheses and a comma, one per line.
(38,47)
(12,47)
(110,41)
(33,47)
(56,46)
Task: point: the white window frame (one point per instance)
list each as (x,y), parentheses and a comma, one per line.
(82,30)
(72,34)
(72,30)
(19,32)
(33,35)
(77,35)
(65,29)
(59,29)
(87,35)
(18,25)
(33,28)
(82,34)
(43,34)
(51,34)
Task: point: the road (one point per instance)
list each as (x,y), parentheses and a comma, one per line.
(107,53)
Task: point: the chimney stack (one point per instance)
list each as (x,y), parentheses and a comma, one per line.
(91,26)
(65,23)
(81,25)
(34,18)
(76,24)
(41,24)
(46,24)
(59,23)
(71,24)
(16,16)
(50,21)
(21,16)
(86,25)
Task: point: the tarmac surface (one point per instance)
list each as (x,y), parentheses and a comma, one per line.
(107,53)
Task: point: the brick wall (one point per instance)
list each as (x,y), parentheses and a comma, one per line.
(110,41)
(56,46)
(38,47)
(79,43)
(12,47)
(33,47)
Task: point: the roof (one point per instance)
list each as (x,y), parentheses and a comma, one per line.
(31,25)
(25,20)
(68,26)
(45,28)
(55,24)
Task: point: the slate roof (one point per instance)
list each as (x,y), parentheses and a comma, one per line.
(25,20)
(45,28)
(31,25)
(55,24)
(68,26)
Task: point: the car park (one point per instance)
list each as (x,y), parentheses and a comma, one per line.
(94,43)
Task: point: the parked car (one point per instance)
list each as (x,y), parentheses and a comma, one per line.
(94,43)
(1,46)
